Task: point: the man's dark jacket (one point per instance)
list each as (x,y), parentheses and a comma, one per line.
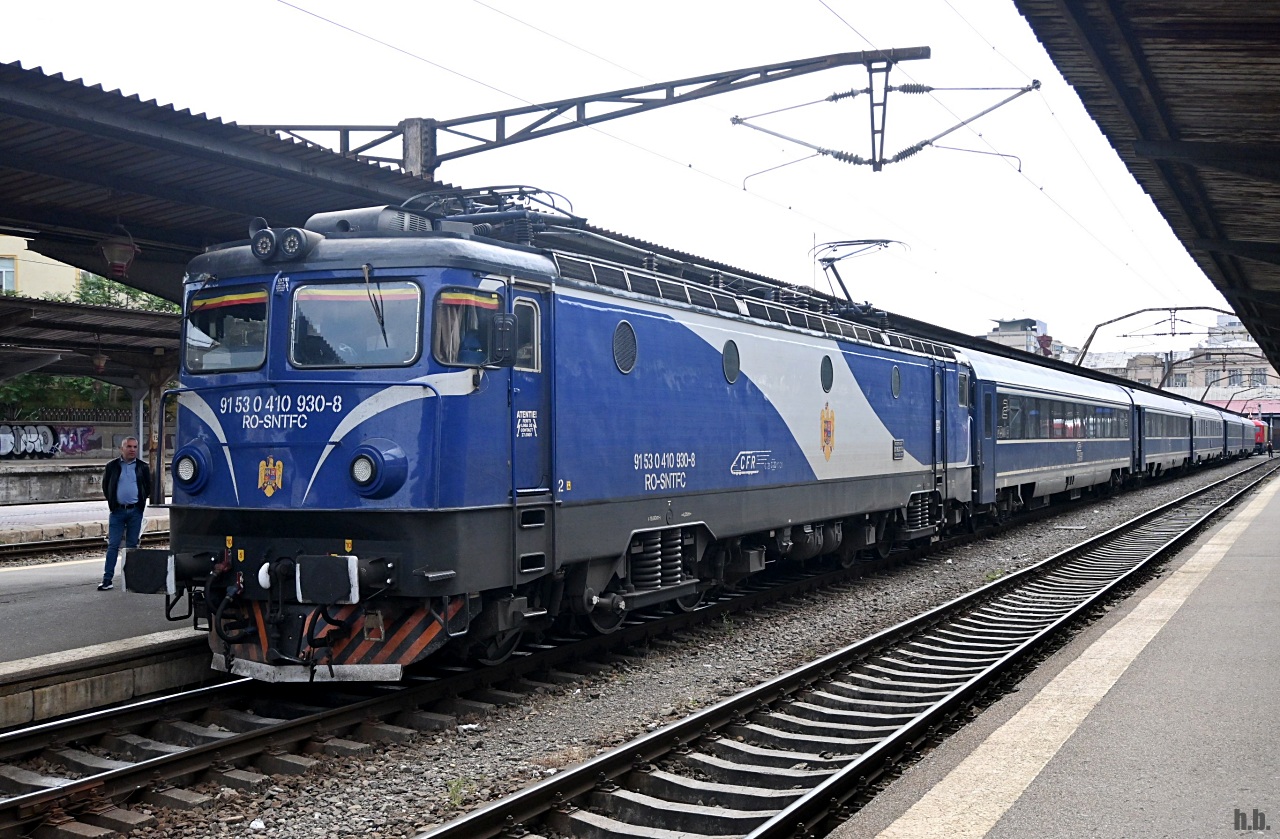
(111,477)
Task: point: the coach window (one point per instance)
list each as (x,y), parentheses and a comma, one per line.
(463,325)
(528,345)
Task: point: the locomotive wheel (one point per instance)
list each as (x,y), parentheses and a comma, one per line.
(880,550)
(689,602)
(604,621)
(500,647)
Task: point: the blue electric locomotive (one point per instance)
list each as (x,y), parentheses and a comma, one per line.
(401,431)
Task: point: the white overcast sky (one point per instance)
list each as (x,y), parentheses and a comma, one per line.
(1070,239)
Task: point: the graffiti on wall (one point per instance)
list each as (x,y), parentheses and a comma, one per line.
(79,439)
(45,441)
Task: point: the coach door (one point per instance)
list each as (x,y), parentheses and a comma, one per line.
(984,441)
(940,428)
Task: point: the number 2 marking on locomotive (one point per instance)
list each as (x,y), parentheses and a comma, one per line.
(564,486)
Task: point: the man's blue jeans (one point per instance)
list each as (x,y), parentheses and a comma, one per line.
(126,525)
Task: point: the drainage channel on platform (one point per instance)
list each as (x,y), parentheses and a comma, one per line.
(791,757)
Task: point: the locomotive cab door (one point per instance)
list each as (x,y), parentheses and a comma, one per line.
(533,503)
(530,393)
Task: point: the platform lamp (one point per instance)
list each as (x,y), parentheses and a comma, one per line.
(100,358)
(119,250)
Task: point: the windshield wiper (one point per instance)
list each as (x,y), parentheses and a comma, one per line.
(375,300)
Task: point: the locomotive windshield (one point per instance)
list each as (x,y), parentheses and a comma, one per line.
(463,326)
(226,330)
(356,325)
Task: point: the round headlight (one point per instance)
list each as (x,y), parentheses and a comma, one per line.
(292,243)
(363,470)
(263,243)
(186,469)
(190,467)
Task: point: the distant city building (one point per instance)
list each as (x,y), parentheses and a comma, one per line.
(1029,335)
(29,274)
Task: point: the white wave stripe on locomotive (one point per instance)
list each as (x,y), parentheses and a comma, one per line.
(459,383)
(195,403)
(770,359)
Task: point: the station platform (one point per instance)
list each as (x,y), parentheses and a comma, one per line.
(55,607)
(1159,720)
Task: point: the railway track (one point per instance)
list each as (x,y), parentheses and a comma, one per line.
(231,731)
(75,544)
(234,732)
(796,755)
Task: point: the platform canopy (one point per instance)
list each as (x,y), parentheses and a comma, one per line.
(122,346)
(80,165)
(1188,93)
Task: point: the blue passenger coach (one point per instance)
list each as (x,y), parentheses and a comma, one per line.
(1163,439)
(1054,432)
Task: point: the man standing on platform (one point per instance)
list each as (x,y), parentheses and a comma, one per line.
(126,484)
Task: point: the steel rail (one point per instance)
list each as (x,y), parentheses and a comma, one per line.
(73,544)
(430,686)
(555,796)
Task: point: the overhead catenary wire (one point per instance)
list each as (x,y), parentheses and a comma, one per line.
(789,208)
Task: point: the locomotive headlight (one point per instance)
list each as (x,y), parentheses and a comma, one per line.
(363,470)
(378,468)
(186,469)
(263,244)
(292,243)
(191,467)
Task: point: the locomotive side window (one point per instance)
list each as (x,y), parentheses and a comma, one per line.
(226,330)
(463,324)
(962,398)
(356,325)
(528,343)
(731,362)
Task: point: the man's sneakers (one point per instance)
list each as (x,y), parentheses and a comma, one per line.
(105,587)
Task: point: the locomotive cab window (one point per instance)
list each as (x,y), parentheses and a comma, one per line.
(463,326)
(226,330)
(528,342)
(356,325)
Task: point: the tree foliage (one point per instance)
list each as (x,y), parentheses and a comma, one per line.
(99,291)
